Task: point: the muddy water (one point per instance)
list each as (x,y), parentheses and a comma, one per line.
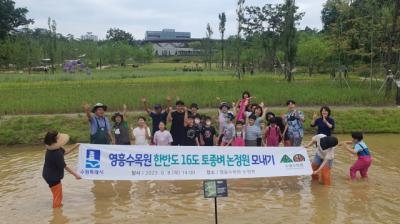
(25,198)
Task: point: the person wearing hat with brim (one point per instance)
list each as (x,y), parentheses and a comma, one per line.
(120,128)
(54,164)
(100,128)
(323,159)
(158,114)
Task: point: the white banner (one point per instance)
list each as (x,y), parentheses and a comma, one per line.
(116,162)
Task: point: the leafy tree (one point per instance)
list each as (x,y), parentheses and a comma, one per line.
(313,50)
(288,34)
(11,17)
(115,35)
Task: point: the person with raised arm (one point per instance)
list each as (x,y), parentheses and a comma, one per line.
(100,128)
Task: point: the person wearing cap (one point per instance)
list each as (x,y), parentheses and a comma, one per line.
(177,119)
(323,159)
(158,114)
(54,164)
(100,128)
(120,128)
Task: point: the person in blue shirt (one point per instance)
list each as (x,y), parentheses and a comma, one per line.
(362,151)
(100,128)
(325,123)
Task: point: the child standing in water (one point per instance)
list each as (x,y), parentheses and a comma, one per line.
(228,131)
(253,132)
(238,140)
(208,135)
(272,134)
(361,150)
(54,164)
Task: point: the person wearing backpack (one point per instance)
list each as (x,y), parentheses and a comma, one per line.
(364,156)
(273,135)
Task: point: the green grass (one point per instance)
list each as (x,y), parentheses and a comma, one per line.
(30,130)
(64,93)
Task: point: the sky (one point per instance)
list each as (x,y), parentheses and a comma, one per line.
(137,16)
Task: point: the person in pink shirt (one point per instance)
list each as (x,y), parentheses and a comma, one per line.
(242,105)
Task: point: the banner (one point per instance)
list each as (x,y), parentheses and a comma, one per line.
(116,162)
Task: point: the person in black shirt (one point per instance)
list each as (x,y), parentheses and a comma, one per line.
(325,123)
(158,114)
(191,132)
(54,164)
(208,135)
(177,118)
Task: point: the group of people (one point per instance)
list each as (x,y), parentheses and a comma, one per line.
(243,123)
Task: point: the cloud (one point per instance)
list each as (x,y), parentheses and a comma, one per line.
(136,16)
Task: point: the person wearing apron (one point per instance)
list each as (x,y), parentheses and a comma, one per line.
(100,129)
(121,128)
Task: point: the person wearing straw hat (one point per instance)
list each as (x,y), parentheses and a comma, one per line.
(100,128)
(120,129)
(54,164)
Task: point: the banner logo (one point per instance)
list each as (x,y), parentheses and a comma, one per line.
(92,159)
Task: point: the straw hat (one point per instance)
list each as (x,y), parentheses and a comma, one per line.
(62,139)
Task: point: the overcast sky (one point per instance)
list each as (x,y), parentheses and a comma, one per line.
(136,16)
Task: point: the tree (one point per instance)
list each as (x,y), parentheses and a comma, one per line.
(209,33)
(289,40)
(313,50)
(115,35)
(52,44)
(241,20)
(264,25)
(222,23)
(11,17)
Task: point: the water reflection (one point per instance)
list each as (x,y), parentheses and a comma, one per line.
(25,198)
(58,217)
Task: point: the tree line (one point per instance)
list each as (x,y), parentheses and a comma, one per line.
(357,35)
(26,48)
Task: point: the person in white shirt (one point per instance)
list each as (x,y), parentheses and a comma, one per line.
(162,136)
(141,134)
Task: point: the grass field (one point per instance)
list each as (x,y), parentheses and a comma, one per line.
(64,93)
(31,129)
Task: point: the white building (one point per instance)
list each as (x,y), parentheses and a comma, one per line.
(89,36)
(174,49)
